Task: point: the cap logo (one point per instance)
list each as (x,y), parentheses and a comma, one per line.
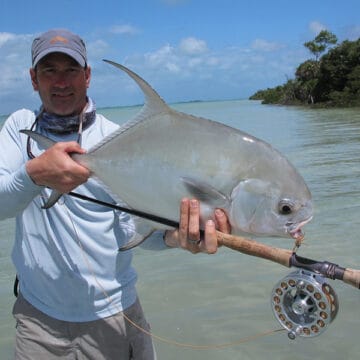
(57,39)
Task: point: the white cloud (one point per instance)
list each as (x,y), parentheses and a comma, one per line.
(316,26)
(193,46)
(179,72)
(264,45)
(97,48)
(15,61)
(232,72)
(189,55)
(157,58)
(164,58)
(5,37)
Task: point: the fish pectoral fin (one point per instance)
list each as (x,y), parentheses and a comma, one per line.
(205,192)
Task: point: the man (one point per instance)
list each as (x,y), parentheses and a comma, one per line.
(76,289)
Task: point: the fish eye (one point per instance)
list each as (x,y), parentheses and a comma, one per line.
(286,207)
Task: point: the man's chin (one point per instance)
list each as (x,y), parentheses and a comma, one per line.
(64,111)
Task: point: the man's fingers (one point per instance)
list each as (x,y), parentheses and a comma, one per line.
(194,223)
(184,222)
(222,222)
(209,244)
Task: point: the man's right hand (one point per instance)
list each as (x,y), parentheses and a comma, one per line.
(56,169)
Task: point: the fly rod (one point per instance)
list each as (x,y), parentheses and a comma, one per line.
(246,246)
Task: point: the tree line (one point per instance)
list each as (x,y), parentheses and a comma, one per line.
(330,78)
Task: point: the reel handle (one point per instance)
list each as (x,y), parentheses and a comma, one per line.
(286,257)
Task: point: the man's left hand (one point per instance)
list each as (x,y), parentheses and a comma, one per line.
(188,235)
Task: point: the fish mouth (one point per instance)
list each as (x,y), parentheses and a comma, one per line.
(295,230)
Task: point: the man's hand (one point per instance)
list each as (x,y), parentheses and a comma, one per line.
(188,235)
(56,169)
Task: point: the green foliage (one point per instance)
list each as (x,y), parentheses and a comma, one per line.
(332,80)
(308,70)
(269,96)
(322,41)
(340,74)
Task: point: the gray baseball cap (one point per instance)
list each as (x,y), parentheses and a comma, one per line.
(58,40)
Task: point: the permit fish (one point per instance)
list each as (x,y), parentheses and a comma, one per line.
(162,156)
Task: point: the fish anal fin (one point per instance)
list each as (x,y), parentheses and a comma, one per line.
(135,241)
(143,229)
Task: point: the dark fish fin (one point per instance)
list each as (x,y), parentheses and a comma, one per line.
(205,192)
(52,200)
(42,140)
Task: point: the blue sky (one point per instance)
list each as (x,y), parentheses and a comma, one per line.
(186,49)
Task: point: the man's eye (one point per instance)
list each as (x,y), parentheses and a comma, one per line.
(48,70)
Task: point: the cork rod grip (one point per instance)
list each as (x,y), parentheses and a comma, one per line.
(254,248)
(277,255)
(352,277)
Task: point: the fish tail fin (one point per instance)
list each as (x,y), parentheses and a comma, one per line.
(46,143)
(52,200)
(42,140)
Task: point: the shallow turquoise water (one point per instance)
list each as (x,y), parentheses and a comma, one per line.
(226,297)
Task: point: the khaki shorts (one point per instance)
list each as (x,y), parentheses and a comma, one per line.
(40,337)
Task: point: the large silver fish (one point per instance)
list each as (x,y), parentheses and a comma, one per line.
(163,155)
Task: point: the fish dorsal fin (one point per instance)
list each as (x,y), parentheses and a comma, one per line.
(154,104)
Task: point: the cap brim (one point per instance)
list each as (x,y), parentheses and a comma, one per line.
(75,55)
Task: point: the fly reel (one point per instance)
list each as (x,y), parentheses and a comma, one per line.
(304,303)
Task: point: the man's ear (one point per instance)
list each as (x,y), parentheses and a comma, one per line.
(34,81)
(88,75)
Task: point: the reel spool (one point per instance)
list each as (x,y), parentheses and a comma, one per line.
(304,304)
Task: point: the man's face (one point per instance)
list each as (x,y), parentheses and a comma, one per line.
(62,84)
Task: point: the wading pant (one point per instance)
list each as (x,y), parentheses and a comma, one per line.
(40,337)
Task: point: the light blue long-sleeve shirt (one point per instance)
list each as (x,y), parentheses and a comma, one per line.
(66,257)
